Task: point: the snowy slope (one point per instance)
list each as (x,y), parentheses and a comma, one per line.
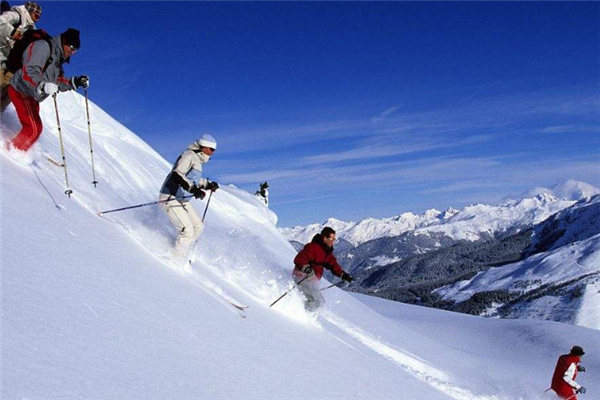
(579,222)
(578,263)
(470,223)
(91,310)
(560,282)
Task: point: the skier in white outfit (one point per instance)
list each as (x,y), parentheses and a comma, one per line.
(186,176)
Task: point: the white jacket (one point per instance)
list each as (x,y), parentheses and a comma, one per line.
(15,20)
(186,173)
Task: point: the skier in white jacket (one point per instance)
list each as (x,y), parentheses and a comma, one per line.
(186,176)
(13,24)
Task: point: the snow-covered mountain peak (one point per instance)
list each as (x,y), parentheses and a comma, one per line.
(574,190)
(546,197)
(570,190)
(471,223)
(432,213)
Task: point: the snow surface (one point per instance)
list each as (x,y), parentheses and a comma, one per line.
(90,309)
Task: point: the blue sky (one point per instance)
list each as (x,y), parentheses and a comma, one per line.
(354,109)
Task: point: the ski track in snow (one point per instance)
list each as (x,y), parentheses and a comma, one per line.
(204,283)
(418,368)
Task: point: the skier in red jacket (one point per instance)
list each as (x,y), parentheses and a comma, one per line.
(563,380)
(310,263)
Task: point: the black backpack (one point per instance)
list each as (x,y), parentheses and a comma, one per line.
(14,62)
(4,7)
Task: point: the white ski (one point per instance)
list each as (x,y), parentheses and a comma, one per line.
(54,162)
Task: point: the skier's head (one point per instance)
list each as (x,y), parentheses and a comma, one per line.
(34,10)
(207,144)
(328,235)
(577,351)
(70,42)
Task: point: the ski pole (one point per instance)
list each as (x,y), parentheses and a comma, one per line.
(143,205)
(87,110)
(332,285)
(207,204)
(283,295)
(62,148)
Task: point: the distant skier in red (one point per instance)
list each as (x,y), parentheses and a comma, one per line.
(310,263)
(563,380)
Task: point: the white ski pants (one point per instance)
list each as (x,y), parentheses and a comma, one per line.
(186,220)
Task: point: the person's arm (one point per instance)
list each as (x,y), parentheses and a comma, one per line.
(569,374)
(333,265)
(34,60)
(7,21)
(64,84)
(184,164)
(305,256)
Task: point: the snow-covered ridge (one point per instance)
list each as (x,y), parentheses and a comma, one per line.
(578,263)
(470,223)
(571,225)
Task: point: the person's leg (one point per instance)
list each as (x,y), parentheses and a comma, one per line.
(179,217)
(5,82)
(195,219)
(28,111)
(312,294)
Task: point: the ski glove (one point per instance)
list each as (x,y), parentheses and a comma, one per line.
(580,368)
(581,390)
(82,81)
(197,192)
(308,270)
(346,277)
(212,186)
(48,88)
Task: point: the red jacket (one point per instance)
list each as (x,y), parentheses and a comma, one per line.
(319,256)
(559,385)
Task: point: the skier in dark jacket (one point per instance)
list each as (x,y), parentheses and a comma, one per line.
(563,380)
(41,76)
(311,262)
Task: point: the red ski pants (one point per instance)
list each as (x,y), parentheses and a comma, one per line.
(28,111)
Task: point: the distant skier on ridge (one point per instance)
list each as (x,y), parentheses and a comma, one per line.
(263,193)
(186,176)
(310,262)
(563,380)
